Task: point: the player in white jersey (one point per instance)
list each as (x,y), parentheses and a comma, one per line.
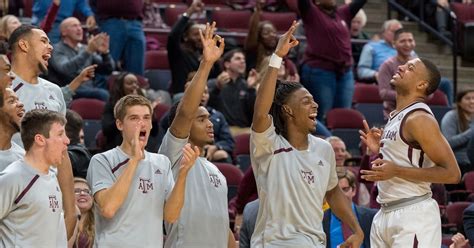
(31,51)
(31,210)
(204,221)
(412,154)
(133,189)
(294,170)
(11,112)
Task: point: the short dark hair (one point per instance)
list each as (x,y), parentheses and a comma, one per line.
(433,76)
(228,56)
(73,126)
(18,34)
(399,32)
(282,93)
(38,121)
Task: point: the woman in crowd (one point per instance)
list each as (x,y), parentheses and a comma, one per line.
(84,201)
(8,24)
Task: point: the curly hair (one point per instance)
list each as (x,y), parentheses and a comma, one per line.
(282,93)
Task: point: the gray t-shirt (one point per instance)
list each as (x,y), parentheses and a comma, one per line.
(291,186)
(139,221)
(204,219)
(11,155)
(31,213)
(43,95)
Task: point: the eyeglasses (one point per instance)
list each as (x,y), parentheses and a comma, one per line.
(82,191)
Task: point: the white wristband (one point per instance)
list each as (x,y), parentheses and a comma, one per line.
(275,61)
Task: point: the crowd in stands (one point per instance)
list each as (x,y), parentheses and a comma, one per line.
(97,50)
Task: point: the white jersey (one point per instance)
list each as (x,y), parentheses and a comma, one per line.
(11,155)
(394,148)
(43,95)
(31,212)
(204,219)
(291,186)
(139,221)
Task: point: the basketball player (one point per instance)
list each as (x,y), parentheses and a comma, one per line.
(294,170)
(412,154)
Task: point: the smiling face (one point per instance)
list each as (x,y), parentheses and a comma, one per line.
(130,84)
(408,76)
(405,44)
(236,64)
(56,144)
(136,115)
(301,110)
(467,103)
(12,110)
(340,151)
(83,196)
(202,131)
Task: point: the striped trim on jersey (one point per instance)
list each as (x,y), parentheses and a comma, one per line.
(18,87)
(120,165)
(28,187)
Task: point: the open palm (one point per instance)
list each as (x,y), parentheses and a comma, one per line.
(210,51)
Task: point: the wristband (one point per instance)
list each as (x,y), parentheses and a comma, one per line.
(275,61)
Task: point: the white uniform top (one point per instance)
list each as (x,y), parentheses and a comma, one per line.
(139,221)
(11,155)
(31,212)
(204,219)
(43,95)
(291,186)
(394,148)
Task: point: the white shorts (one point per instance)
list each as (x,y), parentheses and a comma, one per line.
(401,228)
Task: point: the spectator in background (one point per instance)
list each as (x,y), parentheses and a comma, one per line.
(458,127)
(357,26)
(86,228)
(70,57)
(31,51)
(122,21)
(78,153)
(261,39)
(248,223)
(339,148)
(333,227)
(8,24)
(125,83)
(66,9)
(231,93)
(376,52)
(404,44)
(327,67)
(185,48)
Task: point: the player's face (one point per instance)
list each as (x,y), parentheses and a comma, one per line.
(6,76)
(130,85)
(12,110)
(467,103)
(202,131)
(407,75)
(41,49)
(340,151)
(56,144)
(138,115)
(302,110)
(83,196)
(348,191)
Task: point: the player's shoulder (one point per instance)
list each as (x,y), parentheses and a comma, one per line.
(319,142)
(158,159)
(105,158)
(49,84)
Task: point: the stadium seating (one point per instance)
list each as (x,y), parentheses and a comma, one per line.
(346,123)
(367,100)
(157,69)
(233,177)
(91,111)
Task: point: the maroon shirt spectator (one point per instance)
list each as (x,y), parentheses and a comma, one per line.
(126,9)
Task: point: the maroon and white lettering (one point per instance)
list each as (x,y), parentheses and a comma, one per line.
(145,185)
(215,180)
(53,203)
(308,176)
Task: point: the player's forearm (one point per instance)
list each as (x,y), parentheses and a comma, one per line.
(436,174)
(111,199)
(66,183)
(175,202)
(264,99)
(341,207)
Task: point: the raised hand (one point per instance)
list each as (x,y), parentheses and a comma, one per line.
(138,146)
(189,157)
(287,41)
(196,7)
(210,51)
(90,22)
(103,43)
(371,137)
(252,79)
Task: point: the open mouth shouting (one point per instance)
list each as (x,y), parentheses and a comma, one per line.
(142,136)
(312,117)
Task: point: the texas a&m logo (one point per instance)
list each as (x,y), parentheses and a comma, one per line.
(53,203)
(308,176)
(215,180)
(145,185)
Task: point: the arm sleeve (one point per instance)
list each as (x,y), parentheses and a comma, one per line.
(449,128)
(172,148)
(69,66)
(262,146)
(67,94)
(9,194)
(99,174)
(84,8)
(105,64)
(364,68)
(169,181)
(385,90)
(48,21)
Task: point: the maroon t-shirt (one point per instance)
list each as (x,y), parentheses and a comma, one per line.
(328,39)
(127,9)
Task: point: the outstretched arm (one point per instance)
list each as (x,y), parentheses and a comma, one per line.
(341,207)
(251,42)
(181,125)
(422,128)
(66,183)
(266,92)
